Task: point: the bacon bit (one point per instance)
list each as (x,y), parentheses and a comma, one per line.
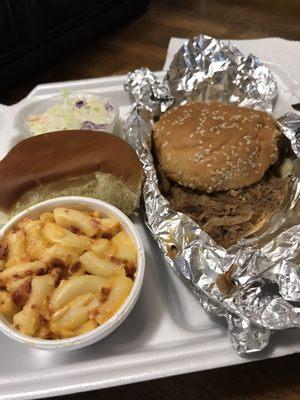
(16,276)
(58,280)
(34,306)
(130,271)
(96,222)
(40,272)
(74,229)
(61,276)
(48,335)
(2,287)
(3,251)
(104,294)
(116,260)
(29,273)
(27,286)
(59,269)
(18,297)
(75,267)
(105,291)
(106,235)
(44,332)
(43,320)
(57,263)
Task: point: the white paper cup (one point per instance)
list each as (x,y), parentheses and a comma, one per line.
(81,203)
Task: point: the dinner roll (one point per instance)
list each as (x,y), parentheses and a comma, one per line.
(70,163)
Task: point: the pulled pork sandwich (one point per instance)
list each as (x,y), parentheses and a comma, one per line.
(219,164)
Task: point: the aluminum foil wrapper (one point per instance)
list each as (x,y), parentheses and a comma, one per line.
(264,270)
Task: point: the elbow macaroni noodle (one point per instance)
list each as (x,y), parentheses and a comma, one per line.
(65,273)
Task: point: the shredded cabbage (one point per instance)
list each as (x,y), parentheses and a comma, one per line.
(72,112)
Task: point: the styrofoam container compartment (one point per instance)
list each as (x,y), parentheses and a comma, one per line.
(81,203)
(168,332)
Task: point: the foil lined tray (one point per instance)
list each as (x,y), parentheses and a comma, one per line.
(264,269)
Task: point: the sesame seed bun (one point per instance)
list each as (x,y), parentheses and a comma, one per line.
(215,146)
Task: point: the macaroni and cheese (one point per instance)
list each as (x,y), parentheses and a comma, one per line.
(65,273)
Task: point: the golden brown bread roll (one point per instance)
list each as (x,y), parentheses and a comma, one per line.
(82,163)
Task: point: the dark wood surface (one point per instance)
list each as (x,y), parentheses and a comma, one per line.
(143,42)
(264,380)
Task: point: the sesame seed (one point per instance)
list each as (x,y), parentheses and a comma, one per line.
(199,157)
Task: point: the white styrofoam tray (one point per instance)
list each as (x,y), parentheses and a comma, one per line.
(167,333)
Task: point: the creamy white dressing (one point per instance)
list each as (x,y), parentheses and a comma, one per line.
(73,112)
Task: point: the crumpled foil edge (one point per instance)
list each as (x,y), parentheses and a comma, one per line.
(251,312)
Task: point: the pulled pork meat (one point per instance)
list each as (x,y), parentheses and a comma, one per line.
(231,215)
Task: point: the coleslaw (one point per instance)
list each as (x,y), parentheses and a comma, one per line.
(73,111)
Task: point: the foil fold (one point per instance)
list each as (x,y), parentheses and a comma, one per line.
(265,272)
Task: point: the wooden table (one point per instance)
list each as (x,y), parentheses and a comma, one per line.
(143,42)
